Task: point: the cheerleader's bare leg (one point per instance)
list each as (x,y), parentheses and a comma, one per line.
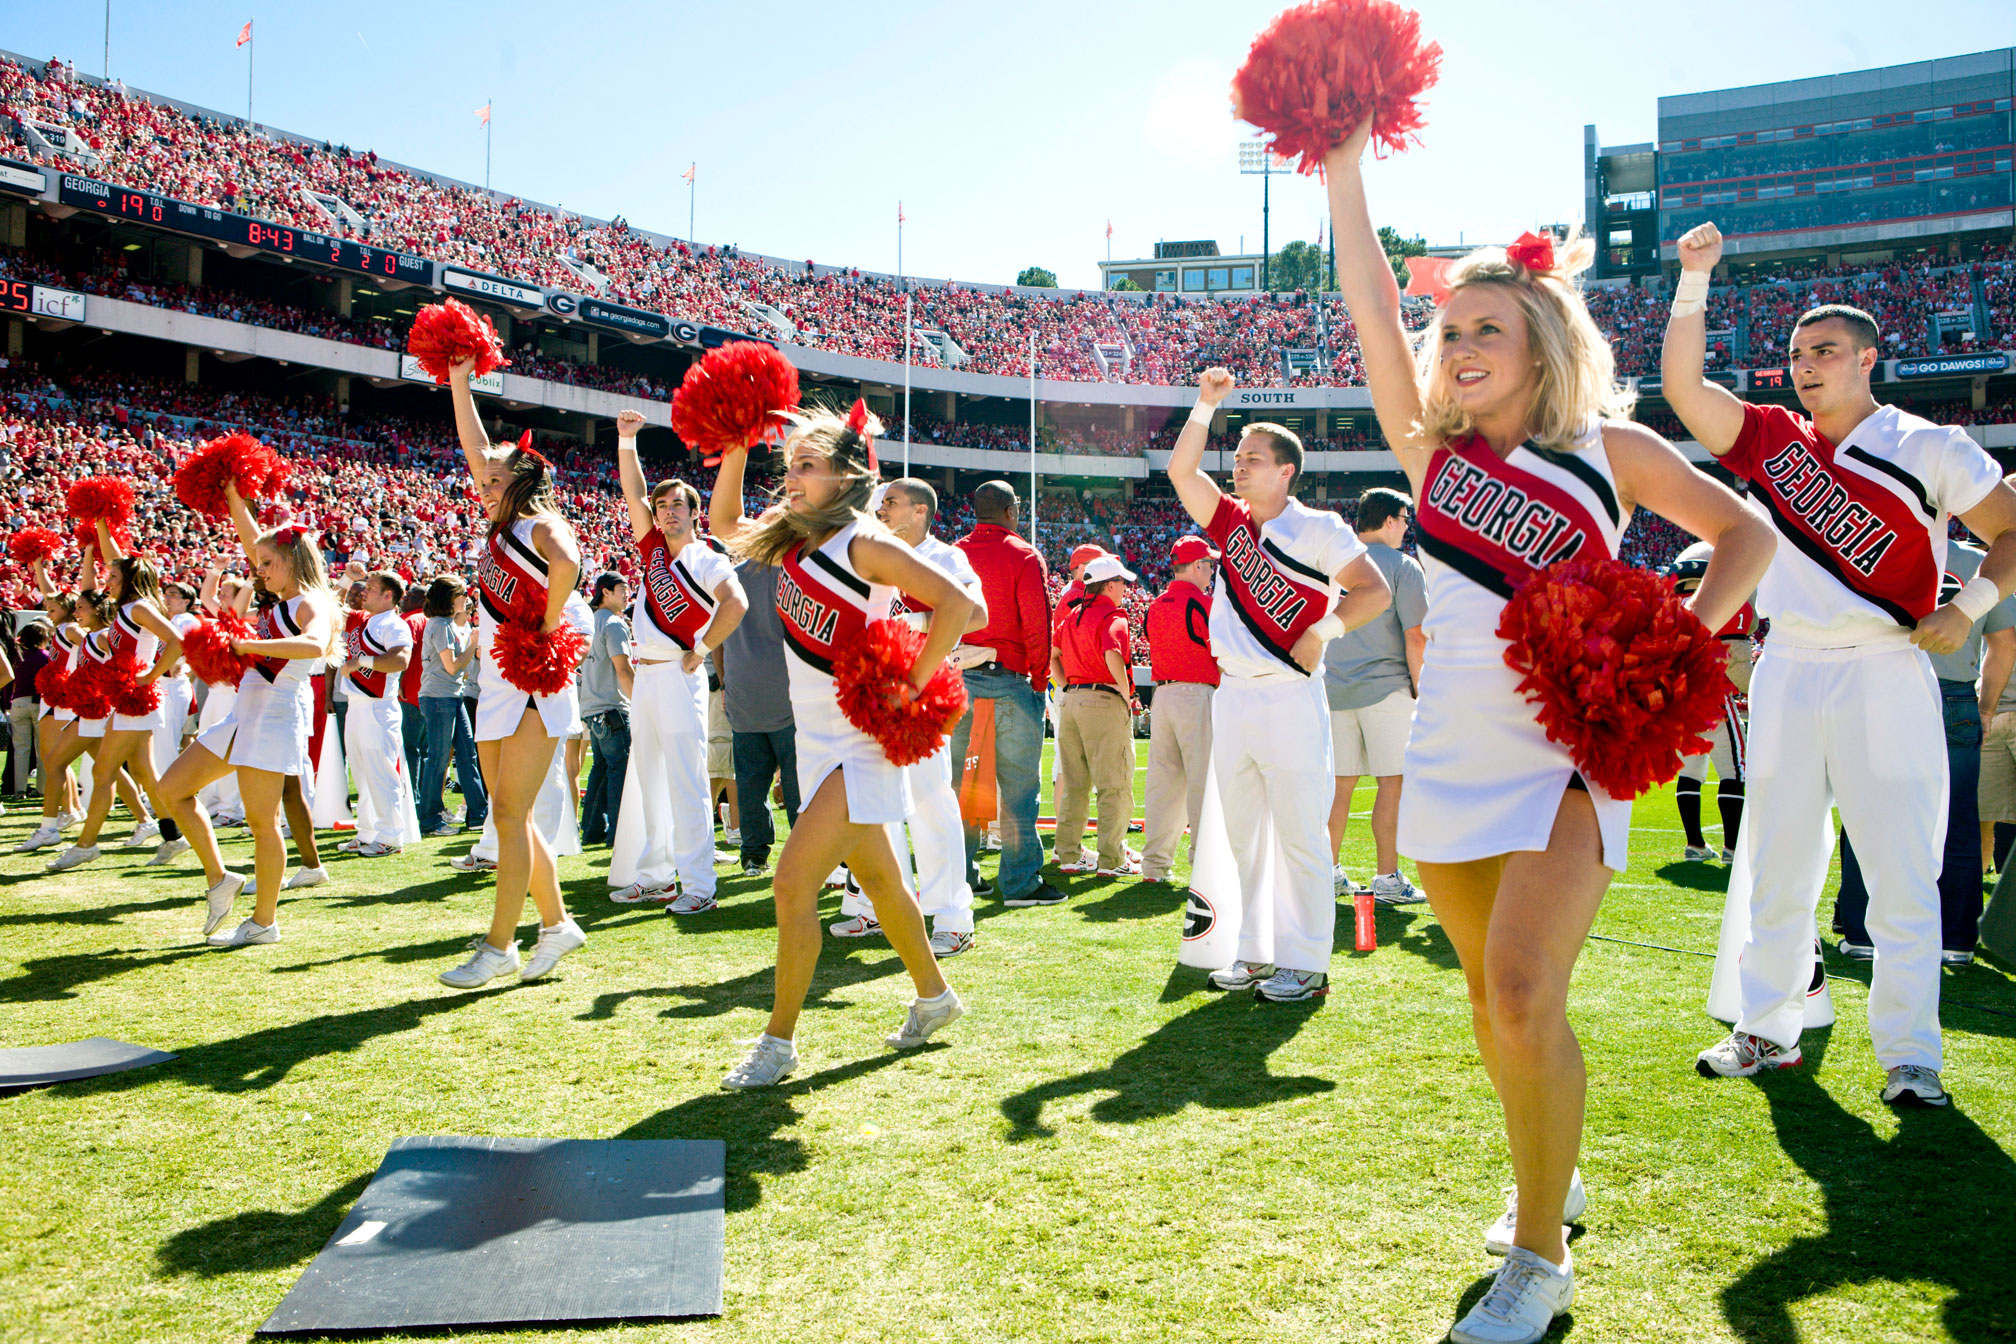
(819,843)
(59,786)
(56,778)
(300,822)
(119,752)
(196,769)
(515,767)
(261,791)
(1518,923)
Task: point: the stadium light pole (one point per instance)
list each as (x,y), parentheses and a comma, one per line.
(108,41)
(1032,441)
(1255,157)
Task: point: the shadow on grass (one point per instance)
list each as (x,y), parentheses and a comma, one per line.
(1137,900)
(836,971)
(1694,876)
(1909,1209)
(97,914)
(259,1239)
(46,979)
(1413,929)
(1214,1056)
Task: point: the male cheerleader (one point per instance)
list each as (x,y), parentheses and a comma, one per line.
(1858,495)
(377,650)
(1271,613)
(688,601)
(1731,742)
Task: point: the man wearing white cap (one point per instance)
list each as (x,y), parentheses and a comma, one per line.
(1095,723)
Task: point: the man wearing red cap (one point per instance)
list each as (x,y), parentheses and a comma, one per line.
(1179,731)
(1095,723)
(1067,602)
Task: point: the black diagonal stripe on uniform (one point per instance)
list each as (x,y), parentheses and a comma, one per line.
(265,671)
(1573,464)
(832,567)
(1897,474)
(497,613)
(1260,631)
(701,595)
(285,619)
(1829,561)
(1197,624)
(525,552)
(818,660)
(1481,572)
(1307,571)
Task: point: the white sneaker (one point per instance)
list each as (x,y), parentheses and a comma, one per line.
(220,898)
(1741,1055)
(638,893)
(1498,1236)
(165,852)
(1522,1302)
(68,820)
(1728,856)
(855,926)
(485,964)
(246,934)
(306,877)
(1129,867)
(1084,863)
(948,943)
(469,863)
(838,877)
(728,855)
(376,850)
(351,846)
(74,857)
(43,836)
(692,903)
(925,1017)
(1241,975)
(770,1062)
(731,837)
(145,836)
(1287,986)
(1343,884)
(1394,889)
(555,942)
(1915,1085)
(1697,854)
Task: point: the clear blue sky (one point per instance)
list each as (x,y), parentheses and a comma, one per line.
(1011,133)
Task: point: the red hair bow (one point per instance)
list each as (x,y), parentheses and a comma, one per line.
(1534,251)
(287,536)
(1428,277)
(525,447)
(857,421)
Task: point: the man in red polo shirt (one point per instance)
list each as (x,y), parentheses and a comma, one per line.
(1095,725)
(1179,732)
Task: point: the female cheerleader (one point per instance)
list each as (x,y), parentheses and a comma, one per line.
(266,737)
(840,570)
(1514,395)
(133,585)
(531,563)
(61,808)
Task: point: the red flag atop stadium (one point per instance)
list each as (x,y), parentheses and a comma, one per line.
(244,34)
(483,114)
(687,176)
(899,212)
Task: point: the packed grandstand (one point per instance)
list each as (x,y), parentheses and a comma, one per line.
(82,397)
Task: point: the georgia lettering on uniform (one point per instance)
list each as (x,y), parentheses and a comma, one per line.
(1278,598)
(811,617)
(665,590)
(1503,515)
(496,580)
(1808,488)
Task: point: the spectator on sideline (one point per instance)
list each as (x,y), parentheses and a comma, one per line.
(606,679)
(758,700)
(26,705)
(1179,725)
(413,729)
(1372,675)
(1095,737)
(1012,580)
(447,645)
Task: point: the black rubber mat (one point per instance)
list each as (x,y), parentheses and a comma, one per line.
(36,1065)
(467,1231)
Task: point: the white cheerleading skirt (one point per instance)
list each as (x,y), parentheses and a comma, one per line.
(1482,778)
(268,728)
(500,706)
(153,721)
(92,727)
(878,793)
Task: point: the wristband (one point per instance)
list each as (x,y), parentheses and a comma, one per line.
(1690,296)
(1201,414)
(622,443)
(1977,599)
(1329,627)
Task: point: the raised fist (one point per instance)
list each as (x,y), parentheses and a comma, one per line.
(628,422)
(1214,385)
(1700,248)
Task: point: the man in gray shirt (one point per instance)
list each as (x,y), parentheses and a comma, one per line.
(1372,676)
(758,698)
(606,678)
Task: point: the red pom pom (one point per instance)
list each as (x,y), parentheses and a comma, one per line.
(106,497)
(1625,677)
(86,536)
(34,543)
(52,684)
(733,397)
(448,332)
(207,649)
(871,682)
(1321,68)
(538,662)
(260,473)
(92,684)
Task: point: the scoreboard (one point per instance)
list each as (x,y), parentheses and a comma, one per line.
(226,226)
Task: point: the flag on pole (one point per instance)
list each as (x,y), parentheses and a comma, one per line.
(483,115)
(899,212)
(244,34)
(687,176)
(1109,228)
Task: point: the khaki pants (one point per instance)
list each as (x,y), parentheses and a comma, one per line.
(1179,751)
(1095,743)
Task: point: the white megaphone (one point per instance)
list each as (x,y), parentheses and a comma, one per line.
(1218,927)
(328,783)
(1725,992)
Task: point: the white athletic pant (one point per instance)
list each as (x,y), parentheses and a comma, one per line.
(1861,729)
(167,745)
(932,857)
(1270,751)
(372,730)
(552,814)
(665,828)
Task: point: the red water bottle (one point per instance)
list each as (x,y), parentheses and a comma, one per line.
(1368,935)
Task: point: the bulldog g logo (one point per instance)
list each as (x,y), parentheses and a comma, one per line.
(1199,917)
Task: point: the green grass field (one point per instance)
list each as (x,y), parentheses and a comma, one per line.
(1103,1150)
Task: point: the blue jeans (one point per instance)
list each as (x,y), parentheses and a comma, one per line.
(1018,761)
(449,733)
(609,734)
(760,758)
(413,736)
